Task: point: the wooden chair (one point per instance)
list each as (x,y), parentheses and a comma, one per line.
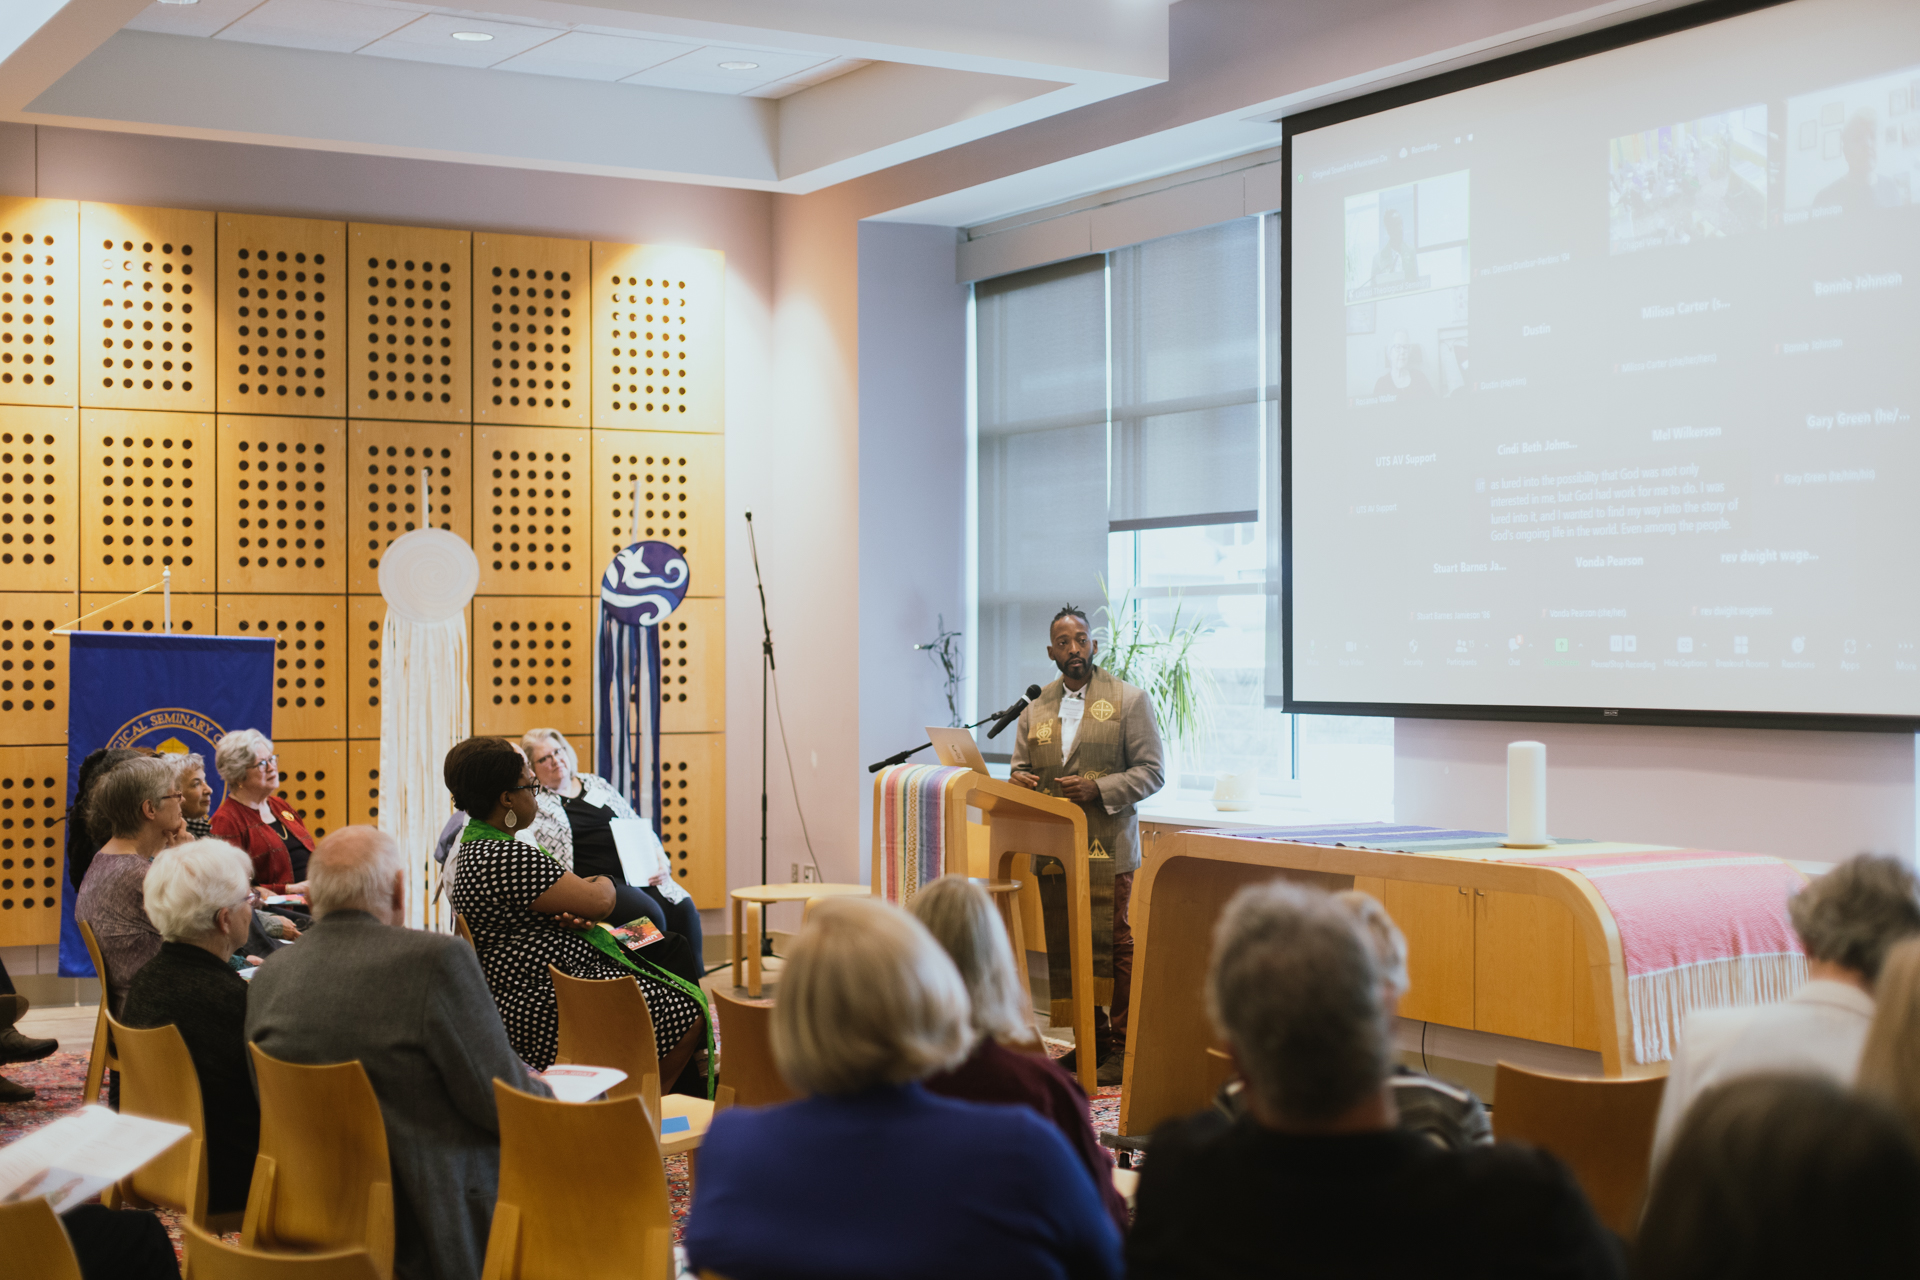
(460,927)
(101,1059)
(1601,1128)
(158,1081)
(606,1023)
(564,1210)
(322,1180)
(746,1052)
(34,1243)
(210,1258)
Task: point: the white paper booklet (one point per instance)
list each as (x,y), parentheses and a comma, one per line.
(641,858)
(78,1156)
(571,1082)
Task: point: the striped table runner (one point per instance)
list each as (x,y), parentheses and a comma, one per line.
(913,828)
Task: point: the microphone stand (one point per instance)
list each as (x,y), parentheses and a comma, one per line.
(766,669)
(900,757)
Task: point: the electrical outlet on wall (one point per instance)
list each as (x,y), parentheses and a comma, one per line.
(807,875)
(796,874)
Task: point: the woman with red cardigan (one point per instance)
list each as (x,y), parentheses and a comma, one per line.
(256,819)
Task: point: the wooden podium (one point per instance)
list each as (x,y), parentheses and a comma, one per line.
(1019,823)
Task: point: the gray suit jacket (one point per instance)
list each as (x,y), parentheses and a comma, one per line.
(1138,773)
(414,1010)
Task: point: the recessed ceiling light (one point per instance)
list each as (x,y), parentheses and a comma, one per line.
(179,1)
(471,35)
(739,66)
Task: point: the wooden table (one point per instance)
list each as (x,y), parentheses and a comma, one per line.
(754,898)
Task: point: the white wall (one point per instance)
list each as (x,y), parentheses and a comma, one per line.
(1822,796)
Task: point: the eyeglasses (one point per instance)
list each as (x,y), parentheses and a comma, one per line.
(265,762)
(525,786)
(171,795)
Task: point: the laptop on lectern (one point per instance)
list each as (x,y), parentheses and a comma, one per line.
(957,747)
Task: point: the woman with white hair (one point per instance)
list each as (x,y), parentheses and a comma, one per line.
(136,804)
(253,817)
(961,918)
(198,897)
(870,1174)
(196,796)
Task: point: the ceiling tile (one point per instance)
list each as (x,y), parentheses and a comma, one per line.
(332,25)
(431,39)
(807,79)
(700,69)
(201,19)
(581,55)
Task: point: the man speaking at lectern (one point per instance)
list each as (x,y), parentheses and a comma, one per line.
(1092,738)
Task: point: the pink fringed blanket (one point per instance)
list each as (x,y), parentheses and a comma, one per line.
(913,828)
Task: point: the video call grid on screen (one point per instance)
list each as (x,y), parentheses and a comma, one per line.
(1602,379)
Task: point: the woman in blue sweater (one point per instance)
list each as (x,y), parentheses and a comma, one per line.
(870,1175)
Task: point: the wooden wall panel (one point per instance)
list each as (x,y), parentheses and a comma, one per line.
(192,615)
(283,510)
(33,665)
(532,664)
(310,682)
(659,352)
(386,459)
(33,783)
(145,325)
(40,260)
(410,323)
(363,783)
(283,320)
(532,499)
(146,499)
(313,779)
(693,817)
(366,616)
(39,485)
(693,667)
(683,491)
(531,351)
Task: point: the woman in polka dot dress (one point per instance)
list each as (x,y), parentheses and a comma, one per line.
(526,912)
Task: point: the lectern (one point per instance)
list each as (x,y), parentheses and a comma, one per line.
(1019,823)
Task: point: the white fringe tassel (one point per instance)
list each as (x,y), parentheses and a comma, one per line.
(424,699)
(1661,1001)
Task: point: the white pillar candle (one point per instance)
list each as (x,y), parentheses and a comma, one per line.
(1527,795)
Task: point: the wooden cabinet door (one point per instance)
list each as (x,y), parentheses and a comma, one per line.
(1438,921)
(1524,967)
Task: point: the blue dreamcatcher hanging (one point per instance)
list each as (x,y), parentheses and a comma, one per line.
(645,582)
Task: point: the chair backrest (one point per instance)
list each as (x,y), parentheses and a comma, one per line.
(1602,1130)
(323,1179)
(33,1243)
(460,927)
(565,1211)
(605,1022)
(211,1258)
(101,1059)
(746,1052)
(157,1080)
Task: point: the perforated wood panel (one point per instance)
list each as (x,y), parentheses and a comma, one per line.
(693,816)
(39,301)
(283,509)
(33,665)
(39,474)
(147,308)
(309,678)
(693,667)
(532,664)
(282,316)
(146,499)
(409,324)
(682,499)
(383,486)
(192,615)
(531,498)
(366,615)
(313,779)
(32,783)
(363,783)
(531,360)
(658,348)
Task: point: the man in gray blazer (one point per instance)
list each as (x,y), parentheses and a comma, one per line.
(414,1010)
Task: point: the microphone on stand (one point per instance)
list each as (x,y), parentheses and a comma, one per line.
(1012,713)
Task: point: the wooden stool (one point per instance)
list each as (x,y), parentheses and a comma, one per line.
(753,899)
(1006,896)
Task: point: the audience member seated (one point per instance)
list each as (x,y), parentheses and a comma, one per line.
(1783,1175)
(870,1175)
(575,825)
(137,805)
(1890,1061)
(82,843)
(526,912)
(120,1244)
(1315,1179)
(197,897)
(255,818)
(412,1008)
(1847,920)
(196,796)
(961,918)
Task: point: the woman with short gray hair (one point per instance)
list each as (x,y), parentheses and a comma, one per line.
(137,803)
(254,817)
(198,897)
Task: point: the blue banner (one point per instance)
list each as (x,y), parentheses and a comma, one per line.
(176,694)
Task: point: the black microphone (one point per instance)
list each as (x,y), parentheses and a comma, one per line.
(1012,713)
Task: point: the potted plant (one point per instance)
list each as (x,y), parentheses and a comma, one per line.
(1161,662)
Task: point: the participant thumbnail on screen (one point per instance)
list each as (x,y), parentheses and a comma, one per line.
(1407,239)
(1702,179)
(1409,349)
(1853,148)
